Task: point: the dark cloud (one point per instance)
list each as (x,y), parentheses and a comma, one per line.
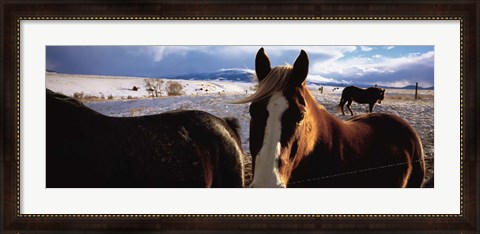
(329,62)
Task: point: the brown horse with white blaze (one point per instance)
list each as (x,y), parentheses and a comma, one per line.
(295,142)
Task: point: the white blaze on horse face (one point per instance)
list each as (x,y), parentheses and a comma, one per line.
(266,173)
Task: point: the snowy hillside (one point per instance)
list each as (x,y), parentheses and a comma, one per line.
(122,87)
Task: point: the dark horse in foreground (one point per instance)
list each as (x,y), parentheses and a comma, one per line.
(362,96)
(295,142)
(86,149)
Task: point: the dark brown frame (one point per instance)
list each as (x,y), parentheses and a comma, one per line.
(467,11)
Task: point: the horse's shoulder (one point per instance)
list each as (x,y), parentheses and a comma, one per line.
(351,88)
(60,105)
(380,119)
(202,119)
(192,115)
(386,117)
(61,98)
(374,90)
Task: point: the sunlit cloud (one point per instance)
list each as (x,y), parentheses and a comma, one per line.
(369,69)
(158,53)
(334,52)
(400,83)
(347,66)
(366,65)
(366,48)
(321,79)
(246,70)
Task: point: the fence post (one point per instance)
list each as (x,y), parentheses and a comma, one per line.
(416,90)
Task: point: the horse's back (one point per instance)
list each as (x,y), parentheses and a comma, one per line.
(382,127)
(348,91)
(359,95)
(382,122)
(176,149)
(390,135)
(201,143)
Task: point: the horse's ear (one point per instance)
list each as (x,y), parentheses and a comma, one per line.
(262,64)
(300,69)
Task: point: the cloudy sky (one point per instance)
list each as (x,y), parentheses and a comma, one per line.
(396,66)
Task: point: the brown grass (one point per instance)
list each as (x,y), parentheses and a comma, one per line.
(408,97)
(136,111)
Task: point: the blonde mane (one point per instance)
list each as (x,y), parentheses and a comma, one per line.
(276,80)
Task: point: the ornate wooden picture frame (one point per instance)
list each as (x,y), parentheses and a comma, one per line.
(14,12)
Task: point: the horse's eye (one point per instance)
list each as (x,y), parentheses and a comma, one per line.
(302,111)
(301,117)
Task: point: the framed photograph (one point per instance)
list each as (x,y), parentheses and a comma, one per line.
(228,116)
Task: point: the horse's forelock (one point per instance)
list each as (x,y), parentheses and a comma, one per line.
(276,80)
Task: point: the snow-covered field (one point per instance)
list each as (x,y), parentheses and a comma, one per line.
(122,87)
(419,113)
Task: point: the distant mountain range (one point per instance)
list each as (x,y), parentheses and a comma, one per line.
(246,75)
(239,75)
(364,86)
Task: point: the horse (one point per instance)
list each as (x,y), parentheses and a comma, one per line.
(178,149)
(352,93)
(295,142)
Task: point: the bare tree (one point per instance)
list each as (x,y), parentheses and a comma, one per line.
(154,86)
(158,85)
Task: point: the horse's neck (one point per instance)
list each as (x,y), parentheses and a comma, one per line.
(315,133)
(325,126)
(318,123)
(324,122)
